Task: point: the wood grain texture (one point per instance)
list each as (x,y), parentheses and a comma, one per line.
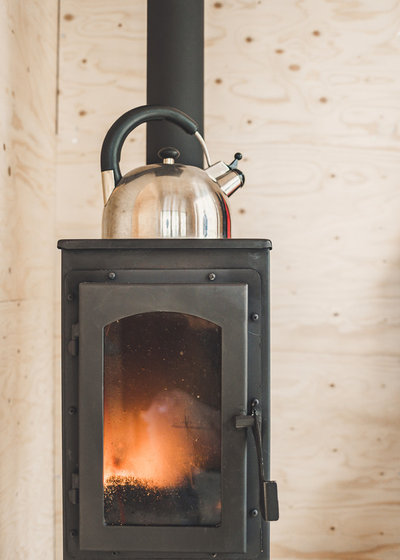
(309,91)
(28,41)
(102,75)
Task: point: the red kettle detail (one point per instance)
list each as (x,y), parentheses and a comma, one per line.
(166,199)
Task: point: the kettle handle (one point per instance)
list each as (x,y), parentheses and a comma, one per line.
(116,136)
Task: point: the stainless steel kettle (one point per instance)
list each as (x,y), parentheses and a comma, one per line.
(165,199)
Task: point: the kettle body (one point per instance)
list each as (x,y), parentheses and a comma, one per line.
(166,199)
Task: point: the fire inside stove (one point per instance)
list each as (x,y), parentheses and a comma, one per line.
(162,420)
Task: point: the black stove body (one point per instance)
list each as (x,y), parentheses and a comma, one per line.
(166,399)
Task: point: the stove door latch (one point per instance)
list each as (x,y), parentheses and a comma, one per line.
(73,492)
(268,489)
(73,344)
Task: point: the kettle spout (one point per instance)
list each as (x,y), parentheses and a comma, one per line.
(228,177)
(231,181)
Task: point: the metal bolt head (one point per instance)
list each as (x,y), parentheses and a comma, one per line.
(212,276)
(255,402)
(72,410)
(253,512)
(213,555)
(255,316)
(73,533)
(70,297)
(112,275)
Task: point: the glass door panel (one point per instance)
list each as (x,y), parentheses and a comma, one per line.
(162,420)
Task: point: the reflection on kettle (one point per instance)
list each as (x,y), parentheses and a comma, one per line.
(165,199)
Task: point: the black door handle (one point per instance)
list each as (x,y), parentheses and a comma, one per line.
(268,489)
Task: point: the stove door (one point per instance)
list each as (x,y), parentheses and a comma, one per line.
(163,374)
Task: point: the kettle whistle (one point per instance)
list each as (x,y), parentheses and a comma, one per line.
(165,199)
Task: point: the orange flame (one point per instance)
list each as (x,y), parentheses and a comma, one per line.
(163,445)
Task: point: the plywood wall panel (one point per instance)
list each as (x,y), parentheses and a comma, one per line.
(310,93)
(27,127)
(102,75)
(344,478)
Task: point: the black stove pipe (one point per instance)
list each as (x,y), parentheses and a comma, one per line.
(175,74)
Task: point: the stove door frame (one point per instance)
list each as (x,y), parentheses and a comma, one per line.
(102,303)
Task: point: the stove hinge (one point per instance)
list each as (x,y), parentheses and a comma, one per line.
(73,344)
(268,489)
(73,492)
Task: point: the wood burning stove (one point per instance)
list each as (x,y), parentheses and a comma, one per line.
(165,365)
(166,341)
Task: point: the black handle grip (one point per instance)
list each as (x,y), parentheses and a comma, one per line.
(116,136)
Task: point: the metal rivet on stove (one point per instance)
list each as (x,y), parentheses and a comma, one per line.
(70,297)
(213,555)
(112,275)
(255,317)
(212,276)
(72,410)
(255,402)
(253,512)
(73,533)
